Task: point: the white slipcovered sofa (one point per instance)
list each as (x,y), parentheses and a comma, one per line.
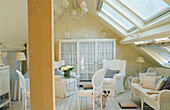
(159,101)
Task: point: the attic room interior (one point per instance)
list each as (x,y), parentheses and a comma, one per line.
(84,54)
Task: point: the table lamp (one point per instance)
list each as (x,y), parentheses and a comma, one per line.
(140,60)
(20,56)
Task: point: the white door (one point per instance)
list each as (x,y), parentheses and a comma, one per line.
(106,50)
(69,54)
(86,60)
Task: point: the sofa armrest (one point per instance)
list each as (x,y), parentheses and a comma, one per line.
(164,99)
(135,80)
(118,76)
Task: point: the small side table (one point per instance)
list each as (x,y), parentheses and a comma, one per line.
(128,82)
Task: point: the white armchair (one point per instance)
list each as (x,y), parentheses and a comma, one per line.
(64,87)
(115,84)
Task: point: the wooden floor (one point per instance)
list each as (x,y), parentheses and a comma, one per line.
(70,103)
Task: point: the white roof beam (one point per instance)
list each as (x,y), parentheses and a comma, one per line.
(125,13)
(158,32)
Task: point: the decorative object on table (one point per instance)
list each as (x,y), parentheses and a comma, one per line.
(66,69)
(20,56)
(140,60)
(67,34)
(2,54)
(63,10)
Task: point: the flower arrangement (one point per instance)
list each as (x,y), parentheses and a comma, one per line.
(2,54)
(66,69)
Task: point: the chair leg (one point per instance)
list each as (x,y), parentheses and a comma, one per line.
(101,102)
(78,102)
(142,102)
(93,103)
(25,103)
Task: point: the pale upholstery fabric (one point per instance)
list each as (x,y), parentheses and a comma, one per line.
(97,83)
(141,76)
(62,85)
(163,100)
(116,84)
(108,81)
(149,82)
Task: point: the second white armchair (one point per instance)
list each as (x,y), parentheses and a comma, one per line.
(115,73)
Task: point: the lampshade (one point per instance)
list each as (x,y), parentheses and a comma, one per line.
(20,56)
(140,59)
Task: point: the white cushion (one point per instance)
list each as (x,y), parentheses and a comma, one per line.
(141,75)
(149,82)
(160,84)
(108,81)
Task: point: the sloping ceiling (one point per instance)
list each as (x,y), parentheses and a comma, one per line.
(13,21)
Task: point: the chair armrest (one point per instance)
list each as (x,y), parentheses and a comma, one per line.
(118,76)
(164,99)
(163,95)
(135,80)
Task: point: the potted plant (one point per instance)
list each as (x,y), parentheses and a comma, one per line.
(66,69)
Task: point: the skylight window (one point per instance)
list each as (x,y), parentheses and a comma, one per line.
(163,53)
(145,8)
(116,16)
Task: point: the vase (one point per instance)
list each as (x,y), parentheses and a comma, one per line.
(67,74)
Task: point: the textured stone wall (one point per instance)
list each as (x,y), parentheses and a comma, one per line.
(92,28)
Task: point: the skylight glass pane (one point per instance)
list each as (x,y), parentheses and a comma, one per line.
(160,51)
(116,16)
(145,8)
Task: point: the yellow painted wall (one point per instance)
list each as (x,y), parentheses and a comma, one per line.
(93,28)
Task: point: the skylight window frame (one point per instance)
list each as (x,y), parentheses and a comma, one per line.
(161,60)
(145,21)
(127,30)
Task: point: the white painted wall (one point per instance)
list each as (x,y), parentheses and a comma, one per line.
(13,21)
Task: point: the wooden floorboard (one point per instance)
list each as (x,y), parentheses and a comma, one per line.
(71,103)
